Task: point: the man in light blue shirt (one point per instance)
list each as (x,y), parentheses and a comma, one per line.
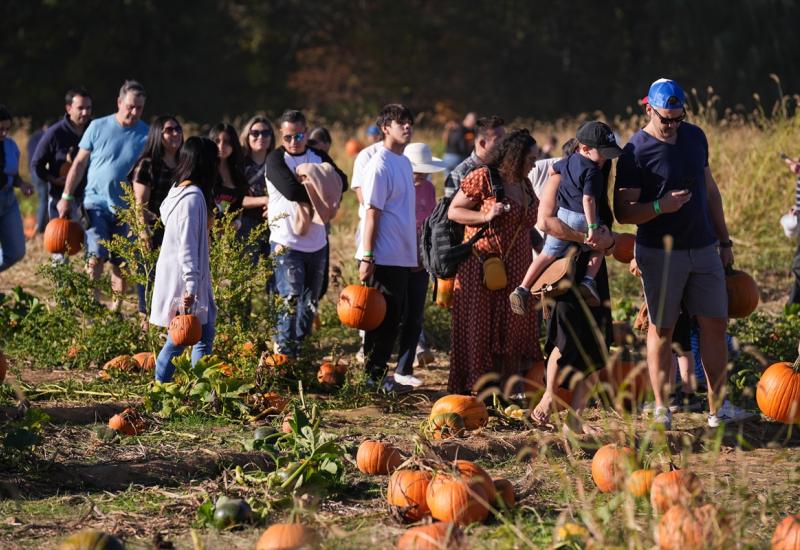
(108,149)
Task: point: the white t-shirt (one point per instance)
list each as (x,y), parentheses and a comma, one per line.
(538,174)
(388,185)
(362,159)
(281,209)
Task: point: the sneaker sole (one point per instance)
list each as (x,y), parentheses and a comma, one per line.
(590,299)
(518,305)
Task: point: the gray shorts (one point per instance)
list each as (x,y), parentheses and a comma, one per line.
(694,276)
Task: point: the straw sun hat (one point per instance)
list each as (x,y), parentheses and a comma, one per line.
(422,160)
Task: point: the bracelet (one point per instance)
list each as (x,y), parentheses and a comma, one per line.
(594,225)
(67,197)
(657,207)
(726,244)
(367,260)
(368,254)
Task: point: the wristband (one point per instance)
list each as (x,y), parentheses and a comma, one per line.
(594,225)
(726,244)
(67,196)
(367,260)
(368,254)
(656,207)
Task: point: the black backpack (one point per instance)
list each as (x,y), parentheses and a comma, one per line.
(442,246)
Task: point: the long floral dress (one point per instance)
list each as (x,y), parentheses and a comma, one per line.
(486,335)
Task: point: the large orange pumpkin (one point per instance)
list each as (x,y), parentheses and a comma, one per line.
(640,481)
(286,536)
(787,534)
(623,249)
(472,472)
(361,307)
(62,236)
(610,467)
(778,392)
(128,422)
(145,360)
(701,528)
(407,491)
(505,493)
(352,147)
(3,367)
(743,294)
(535,384)
(436,536)
(471,409)
(458,500)
(91,540)
(675,487)
(377,458)
(185,330)
(330,374)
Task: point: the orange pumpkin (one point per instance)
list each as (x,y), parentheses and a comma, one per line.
(146,360)
(62,236)
(286,536)
(361,307)
(610,466)
(407,491)
(787,534)
(377,458)
(625,382)
(444,426)
(683,528)
(623,249)
(675,487)
(505,493)
(458,500)
(640,481)
(330,374)
(473,473)
(29,226)
(352,147)
(444,292)
(535,384)
(743,294)
(471,409)
(436,536)
(3,367)
(778,392)
(122,363)
(185,330)
(128,422)
(274,401)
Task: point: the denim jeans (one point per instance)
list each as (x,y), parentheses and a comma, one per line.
(42,214)
(12,237)
(164,367)
(103,224)
(298,280)
(411,321)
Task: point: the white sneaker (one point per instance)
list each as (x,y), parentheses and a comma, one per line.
(728,412)
(647,408)
(360,356)
(663,416)
(407,380)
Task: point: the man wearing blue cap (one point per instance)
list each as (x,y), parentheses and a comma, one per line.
(665,186)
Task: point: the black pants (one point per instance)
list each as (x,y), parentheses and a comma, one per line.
(392,281)
(794,298)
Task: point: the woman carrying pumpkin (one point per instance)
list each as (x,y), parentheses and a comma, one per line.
(486,336)
(183,268)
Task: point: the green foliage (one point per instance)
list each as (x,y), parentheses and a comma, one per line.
(21,436)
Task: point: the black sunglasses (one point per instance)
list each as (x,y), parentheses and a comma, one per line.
(173,130)
(260,133)
(666,120)
(298,137)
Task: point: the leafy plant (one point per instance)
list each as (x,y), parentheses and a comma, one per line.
(21,436)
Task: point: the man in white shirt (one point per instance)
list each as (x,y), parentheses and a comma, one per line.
(388,244)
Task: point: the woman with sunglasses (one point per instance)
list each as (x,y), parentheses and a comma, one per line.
(231,185)
(257,140)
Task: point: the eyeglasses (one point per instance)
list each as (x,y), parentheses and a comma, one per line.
(666,120)
(298,137)
(173,130)
(263,133)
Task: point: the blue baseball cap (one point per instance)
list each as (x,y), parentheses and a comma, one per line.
(373,131)
(665,94)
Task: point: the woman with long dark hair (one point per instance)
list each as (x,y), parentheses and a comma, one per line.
(183,271)
(231,185)
(257,140)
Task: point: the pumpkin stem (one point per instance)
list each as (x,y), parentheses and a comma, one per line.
(796,364)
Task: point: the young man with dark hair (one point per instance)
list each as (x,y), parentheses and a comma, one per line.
(487,131)
(388,247)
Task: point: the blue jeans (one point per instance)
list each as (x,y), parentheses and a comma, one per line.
(557,247)
(42,214)
(12,237)
(298,280)
(164,367)
(102,225)
(411,321)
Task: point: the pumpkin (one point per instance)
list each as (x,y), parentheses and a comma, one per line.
(787,534)
(743,294)
(436,536)
(286,426)
(29,226)
(473,473)
(623,248)
(625,382)
(683,528)
(444,292)
(185,330)
(361,307)
(145,359)
(287,536)
(330,374)
(458,500)
(352,147)
(128,422)
(248,348)
(407,491)
(274,401)
(3,367)
(778,392)
(675,487)
(91,540)
(640,481)
(122,363)
(377,458)
(447,425)
(571,532)
(62,236)
(505,493)
(610,465)
(471,409)
(535,384)
(229,512)
(277,362)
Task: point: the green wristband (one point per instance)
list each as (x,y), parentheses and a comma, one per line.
(67,197)
(594,225)
(656,208)
(368,254)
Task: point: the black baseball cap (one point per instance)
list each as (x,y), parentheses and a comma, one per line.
(599,136)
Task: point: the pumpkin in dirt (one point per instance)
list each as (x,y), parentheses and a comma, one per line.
(505,493)
(675,487)
(535,384)
(287,536)
(639,482)
(229,512)
(778,392)
(128,422)
(446,425)
(3,367)
(623,247)
(407,491)
(330,374)
(29,226)
(146,360)
(361,307)
(436,536)
(471,409)
(473,473)
(377,458)
(91,540)
(625,382)
(682,528)
(459,500)
(610,466)
(185,330)
(743,294)
(121,363)
(787,534)
(62,236)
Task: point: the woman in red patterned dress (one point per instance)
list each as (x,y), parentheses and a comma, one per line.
(487,338)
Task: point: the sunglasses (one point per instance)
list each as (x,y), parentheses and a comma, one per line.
(666,120)
(173,130)
(298,137)
(262,133)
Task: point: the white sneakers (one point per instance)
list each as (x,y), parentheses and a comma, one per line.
(407,380)
(728,412)
(663,416)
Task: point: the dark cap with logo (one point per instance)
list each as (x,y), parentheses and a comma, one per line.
(599,136)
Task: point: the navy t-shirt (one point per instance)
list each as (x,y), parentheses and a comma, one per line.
(579,176)
(657,168)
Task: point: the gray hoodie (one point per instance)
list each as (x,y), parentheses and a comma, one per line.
(183,262)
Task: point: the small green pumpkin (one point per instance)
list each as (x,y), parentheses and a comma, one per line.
(229,512)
